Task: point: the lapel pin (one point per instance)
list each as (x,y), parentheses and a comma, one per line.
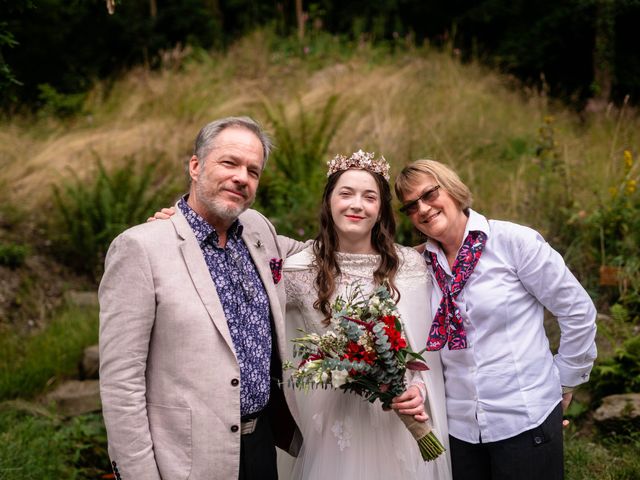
(258,244)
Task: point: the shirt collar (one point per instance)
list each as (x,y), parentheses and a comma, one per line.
(475,223)
(202,229)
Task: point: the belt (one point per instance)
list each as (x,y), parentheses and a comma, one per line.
(248,426)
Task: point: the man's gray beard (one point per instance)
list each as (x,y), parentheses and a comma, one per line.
(221,209)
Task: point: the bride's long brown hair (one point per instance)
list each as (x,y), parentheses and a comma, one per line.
(326,245)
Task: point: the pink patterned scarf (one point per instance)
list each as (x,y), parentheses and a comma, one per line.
(447,327)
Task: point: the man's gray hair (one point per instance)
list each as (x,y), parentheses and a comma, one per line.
(205,141)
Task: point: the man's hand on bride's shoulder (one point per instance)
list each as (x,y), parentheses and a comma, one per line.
(163,214)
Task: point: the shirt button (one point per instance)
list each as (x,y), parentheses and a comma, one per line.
(235,382)
(537,440)
(234,428)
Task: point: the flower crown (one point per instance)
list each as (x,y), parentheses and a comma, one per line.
(360,159)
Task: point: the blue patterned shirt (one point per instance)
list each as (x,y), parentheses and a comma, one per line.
(245,304)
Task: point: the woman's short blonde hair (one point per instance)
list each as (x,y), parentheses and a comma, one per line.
(413,174)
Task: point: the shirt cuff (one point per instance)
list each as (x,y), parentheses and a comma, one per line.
(572,376)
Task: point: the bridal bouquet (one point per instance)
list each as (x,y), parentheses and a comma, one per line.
(363,351)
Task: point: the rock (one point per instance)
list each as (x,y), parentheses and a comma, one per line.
(90,364)
(76,397)
(82,299)
(619,413)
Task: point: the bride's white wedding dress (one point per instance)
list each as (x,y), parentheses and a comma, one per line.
(345,436)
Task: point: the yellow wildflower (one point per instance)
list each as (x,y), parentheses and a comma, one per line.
(628,159)
(631,186)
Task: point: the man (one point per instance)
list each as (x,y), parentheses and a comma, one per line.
(191,323)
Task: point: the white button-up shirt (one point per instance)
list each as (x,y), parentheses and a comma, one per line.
(507,381)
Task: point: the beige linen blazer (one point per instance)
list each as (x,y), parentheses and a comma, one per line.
(168,370)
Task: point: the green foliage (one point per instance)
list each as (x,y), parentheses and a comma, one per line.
(90,44)
(619,374)
(406,233)
(548,202)
(7,78)
(30,362)
(90,214)
(611,235)
(617,220)
(36,446)
(526,38)
(59,104)
(13,255)
(577,409)
(291,186)
(317,49)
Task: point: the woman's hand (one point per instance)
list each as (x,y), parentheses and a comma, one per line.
(411,403)
(566,401)
(163,214)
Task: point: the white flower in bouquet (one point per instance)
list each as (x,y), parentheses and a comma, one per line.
(339,378)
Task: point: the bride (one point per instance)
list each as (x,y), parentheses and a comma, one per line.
(344,435)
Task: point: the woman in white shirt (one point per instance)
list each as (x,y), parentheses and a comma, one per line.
(492,280)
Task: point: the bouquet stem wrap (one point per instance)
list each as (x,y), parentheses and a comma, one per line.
(430,446)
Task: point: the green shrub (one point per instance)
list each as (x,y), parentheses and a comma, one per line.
(13,255)
(619,374)
(29,363)
(611,236)
(59,104)
(90,214)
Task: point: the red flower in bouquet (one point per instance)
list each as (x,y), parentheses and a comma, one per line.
(311,358)
(389,320)
(395,338)
(358,352)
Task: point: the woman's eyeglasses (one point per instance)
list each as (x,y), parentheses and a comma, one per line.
(429,196)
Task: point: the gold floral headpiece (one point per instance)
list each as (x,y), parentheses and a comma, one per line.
(360,159)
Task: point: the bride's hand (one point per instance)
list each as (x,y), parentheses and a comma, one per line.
(411,403)
(163,214)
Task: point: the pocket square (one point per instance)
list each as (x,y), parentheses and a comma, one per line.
(276,269)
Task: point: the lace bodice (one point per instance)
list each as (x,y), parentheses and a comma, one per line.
(299,275)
